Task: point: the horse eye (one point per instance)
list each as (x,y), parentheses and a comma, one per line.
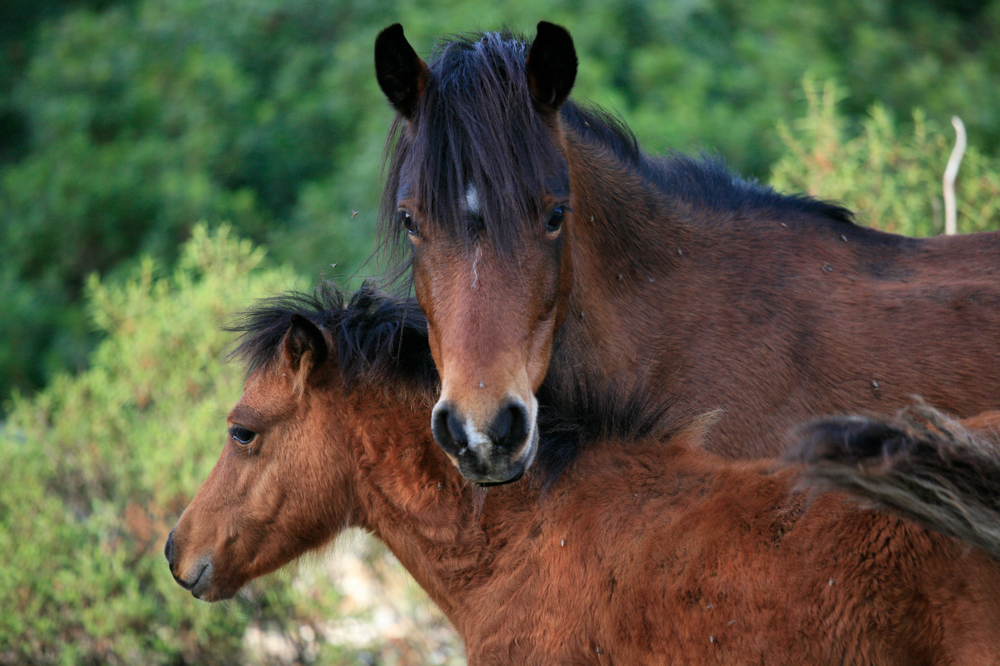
(407,221)
(242,435)
(556,218)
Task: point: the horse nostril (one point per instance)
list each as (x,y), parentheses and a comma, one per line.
(510,427)
(457,430)
(448,429)
(168,550)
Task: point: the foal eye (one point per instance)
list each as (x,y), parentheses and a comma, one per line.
(241,435)
(407,221)
(556,217)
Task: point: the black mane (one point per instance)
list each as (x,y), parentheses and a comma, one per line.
(476,124)
(570,419)
(705,181)
(377,338)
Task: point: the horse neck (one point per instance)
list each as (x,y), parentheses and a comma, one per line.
(627,238)
(414,500)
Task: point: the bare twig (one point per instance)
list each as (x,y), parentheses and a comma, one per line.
(950,172)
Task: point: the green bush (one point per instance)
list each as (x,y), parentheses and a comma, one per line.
(124,122)
(95,470)
(143,120)
(892,182)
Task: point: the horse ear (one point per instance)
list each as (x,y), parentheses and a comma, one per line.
(401,73)
(551,66)
(304,338)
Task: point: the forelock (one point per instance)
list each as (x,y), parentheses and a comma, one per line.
(475,128)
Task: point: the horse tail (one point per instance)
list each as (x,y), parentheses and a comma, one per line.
(941,473)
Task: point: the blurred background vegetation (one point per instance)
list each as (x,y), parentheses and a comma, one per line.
(147,147)
(125,122)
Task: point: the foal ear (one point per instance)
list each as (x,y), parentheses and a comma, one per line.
(305,338)
(551,66)
(401,73)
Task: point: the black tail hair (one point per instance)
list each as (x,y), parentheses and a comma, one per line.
(922,464)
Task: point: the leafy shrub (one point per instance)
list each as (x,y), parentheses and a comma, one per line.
(124,122)
(892,182)
(143,120)
(95,470)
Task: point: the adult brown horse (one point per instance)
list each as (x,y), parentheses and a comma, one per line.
(545,241)
(641,552)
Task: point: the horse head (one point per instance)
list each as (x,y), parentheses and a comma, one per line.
(480,185)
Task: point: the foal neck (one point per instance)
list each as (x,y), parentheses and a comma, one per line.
(438,525)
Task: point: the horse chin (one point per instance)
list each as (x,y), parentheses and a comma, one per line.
(202,579)
(518,473)
(211,596)
(486,479)
(202,587)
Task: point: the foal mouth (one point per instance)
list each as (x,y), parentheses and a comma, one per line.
(201,581)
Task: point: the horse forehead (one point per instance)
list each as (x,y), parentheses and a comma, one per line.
(472,200)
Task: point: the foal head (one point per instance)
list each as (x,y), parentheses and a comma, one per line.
(479,183)
(286,479)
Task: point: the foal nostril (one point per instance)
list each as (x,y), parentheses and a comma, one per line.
(510,427)
(168,550)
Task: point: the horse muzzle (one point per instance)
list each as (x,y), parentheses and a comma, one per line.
(492,455)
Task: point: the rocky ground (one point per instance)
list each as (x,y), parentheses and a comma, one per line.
(381,616)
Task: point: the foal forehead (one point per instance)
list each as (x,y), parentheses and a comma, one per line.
(265,400)
(247,416)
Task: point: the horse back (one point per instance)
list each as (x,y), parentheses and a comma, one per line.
(782,322)
(911,317)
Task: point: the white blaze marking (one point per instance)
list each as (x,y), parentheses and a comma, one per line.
(472,200)
(478,442)
(472,205)
(475,266)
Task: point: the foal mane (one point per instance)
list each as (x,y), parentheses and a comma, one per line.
(476,124)
(378,338)
(381,340)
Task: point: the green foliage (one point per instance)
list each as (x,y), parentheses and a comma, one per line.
(124,122)
(891,182)
(143,122)
(95,469)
